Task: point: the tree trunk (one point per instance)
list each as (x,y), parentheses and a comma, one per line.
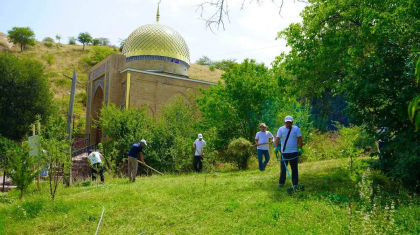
(21,47)
(83,46)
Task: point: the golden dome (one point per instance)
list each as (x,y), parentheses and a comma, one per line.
(156,40)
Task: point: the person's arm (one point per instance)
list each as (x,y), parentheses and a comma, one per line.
(270,139)
(256,142)
(195,147)
(277,142)
(300,142)
(142,158)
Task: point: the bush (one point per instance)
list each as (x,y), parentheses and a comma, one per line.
(98,54)
(212,68)
(72,41)
(239,153)
(20,166)
(48,42)
(49,58)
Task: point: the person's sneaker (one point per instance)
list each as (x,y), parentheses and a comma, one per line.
(281,185)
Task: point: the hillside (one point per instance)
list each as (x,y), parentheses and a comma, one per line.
(64,60)
(246,202)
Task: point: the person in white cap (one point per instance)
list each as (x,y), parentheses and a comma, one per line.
(198,146)
(133,157)
(291,148)
(263,139)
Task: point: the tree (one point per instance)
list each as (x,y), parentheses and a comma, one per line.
(24,94)
(56,154)
(366,51)
(48,41)
(98,54)
(414,107)
(72,41)
(224,64)
(122,43)
(204,60)
(22,36)
(221,10)
(236,107)
(85,39)
(96,42)
(104,41)
(58,37)
(20,166)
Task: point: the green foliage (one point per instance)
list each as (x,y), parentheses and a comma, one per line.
(100,42)
(122,43)
(97,54)
(24,94)
(72,41)
(57,151)
(123,129)
(217,64)
(58,37)
(5,145)
(414,106)
(239,151)
(204,60)
(48,42)
(85,39)
(20,166)
(23,36)
(365,51)
(49,58)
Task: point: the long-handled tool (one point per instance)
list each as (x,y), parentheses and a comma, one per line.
(287,169)
(151,168)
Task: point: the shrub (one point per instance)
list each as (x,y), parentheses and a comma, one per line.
(98,53)
(49,58)
(212,68)
(239,151)
(20,166)
(72,41)
(48,42)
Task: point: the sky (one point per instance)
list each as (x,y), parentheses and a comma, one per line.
(251,32)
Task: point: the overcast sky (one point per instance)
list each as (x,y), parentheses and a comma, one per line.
(252,28)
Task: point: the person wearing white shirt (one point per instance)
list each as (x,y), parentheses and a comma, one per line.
(96,165)
(198,146)
(291,150)
(263,139)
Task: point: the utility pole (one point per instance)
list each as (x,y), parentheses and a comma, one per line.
(69,118)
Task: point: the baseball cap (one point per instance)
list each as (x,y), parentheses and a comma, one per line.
(200,136)
(89,151)
(143,141)
(288,119)
(263,124)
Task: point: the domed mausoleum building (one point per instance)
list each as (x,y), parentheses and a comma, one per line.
(152,71)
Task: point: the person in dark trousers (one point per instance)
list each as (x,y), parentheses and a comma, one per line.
(96,165)
(263,139)
(290,150)
(133,157)
(198,146)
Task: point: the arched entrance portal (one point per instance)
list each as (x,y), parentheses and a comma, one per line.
(96,132)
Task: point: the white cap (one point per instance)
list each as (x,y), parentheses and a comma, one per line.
(143,141)
(263,124)
(200,136)
(288,119)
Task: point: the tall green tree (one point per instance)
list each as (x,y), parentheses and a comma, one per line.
(366,51)
(24,94)
(236,107)
(85,39)
(23,36)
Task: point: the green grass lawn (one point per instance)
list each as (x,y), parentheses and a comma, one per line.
(247,202)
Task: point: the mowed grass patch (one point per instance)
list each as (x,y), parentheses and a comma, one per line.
(245,202)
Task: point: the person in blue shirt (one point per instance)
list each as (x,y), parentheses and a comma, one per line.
(133,157)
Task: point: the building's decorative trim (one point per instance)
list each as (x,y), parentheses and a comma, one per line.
(166,75)
(90,76)
(107,88)
(97,83)
(157,57)
(89,91)
(127,93)
(108,64)
(99,70)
